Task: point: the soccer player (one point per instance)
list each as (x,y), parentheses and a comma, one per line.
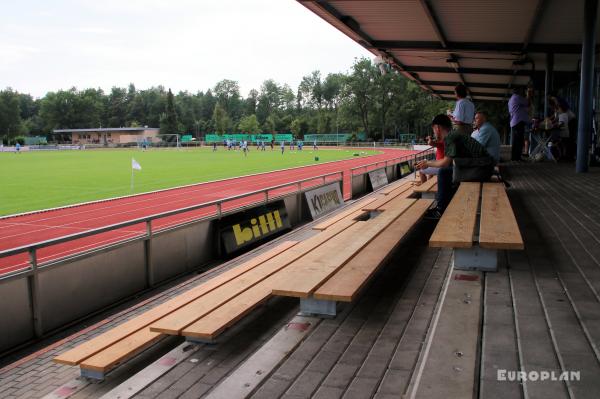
(315,145)
(282,147)
(214,146)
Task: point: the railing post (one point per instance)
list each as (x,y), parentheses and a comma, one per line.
(148,255)
(34,291)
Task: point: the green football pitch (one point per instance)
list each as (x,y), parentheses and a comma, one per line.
(47,179)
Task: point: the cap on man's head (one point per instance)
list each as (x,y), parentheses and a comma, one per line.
(443,121)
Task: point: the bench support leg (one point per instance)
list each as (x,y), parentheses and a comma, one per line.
(476,258)
(92,374)
(317,307)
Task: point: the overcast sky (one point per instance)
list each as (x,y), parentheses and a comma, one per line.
(180,44)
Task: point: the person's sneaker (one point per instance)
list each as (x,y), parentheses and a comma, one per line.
(433,214)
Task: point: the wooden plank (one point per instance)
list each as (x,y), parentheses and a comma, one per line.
(400,192)
(393,186)
(457,225)
(427,186)
(175,322)
(125,349)
(215,322)
(347,282)
(498,227)
(95,345)
(352,212)
(303,277)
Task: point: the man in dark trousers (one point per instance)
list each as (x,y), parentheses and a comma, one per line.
(518,107)
(456,146)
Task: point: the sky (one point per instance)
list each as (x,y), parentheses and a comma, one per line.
(180,44)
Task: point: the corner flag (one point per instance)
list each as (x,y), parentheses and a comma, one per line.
(135,165)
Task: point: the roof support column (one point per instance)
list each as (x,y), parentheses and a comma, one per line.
(548,81)
(584,129)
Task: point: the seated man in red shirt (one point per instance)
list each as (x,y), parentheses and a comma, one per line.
(439,154)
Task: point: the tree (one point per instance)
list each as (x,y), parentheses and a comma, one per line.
(249,124)
(359,88)
(169,122)
(10,113)
(220,119)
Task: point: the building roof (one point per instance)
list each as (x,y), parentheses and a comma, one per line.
(105,129)
(490,46)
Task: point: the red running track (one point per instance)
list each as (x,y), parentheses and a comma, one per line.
(41,226)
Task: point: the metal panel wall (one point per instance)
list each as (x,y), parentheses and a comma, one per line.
(75,289)
(177,251)
(16,320)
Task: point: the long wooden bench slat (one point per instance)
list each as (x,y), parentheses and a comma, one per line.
(306,275)
(393,186)
(123,350)
(176,321)
(214,323)
(427,186)
(352,211)
(457,225)
(498,226)
(114,335)
(400,192)
(347,282)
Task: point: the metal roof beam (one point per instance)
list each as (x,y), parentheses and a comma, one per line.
(366,40)
(452,84)
(558,48)
(435,24)
(477,71)
(473,94)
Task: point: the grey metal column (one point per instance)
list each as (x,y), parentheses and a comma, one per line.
(548,80)
(584,129)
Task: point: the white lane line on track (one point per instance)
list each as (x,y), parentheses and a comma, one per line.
(176,193)
(224,183)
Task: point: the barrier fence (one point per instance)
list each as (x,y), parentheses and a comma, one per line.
(216,209)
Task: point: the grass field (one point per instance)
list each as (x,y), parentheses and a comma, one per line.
(40,180)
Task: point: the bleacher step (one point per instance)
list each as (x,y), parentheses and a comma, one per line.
(449,365)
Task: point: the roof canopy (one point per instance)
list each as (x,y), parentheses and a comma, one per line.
(489,45)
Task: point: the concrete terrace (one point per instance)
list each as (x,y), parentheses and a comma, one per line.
(420,329)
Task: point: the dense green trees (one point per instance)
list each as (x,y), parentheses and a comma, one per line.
(361,100)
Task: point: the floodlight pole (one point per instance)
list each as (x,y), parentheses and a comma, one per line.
(586,83)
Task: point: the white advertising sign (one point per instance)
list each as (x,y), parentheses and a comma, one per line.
(378,178)
(324,199)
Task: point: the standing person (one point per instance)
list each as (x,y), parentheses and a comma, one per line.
(244,146)
(518,108)
(18,148)
(214,146)
(272,144)
(487,135)
(315,148)
(282,147)
(470,159)
(464,111)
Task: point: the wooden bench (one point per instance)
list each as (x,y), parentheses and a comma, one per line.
(477,223)
(427,190)
(333,265)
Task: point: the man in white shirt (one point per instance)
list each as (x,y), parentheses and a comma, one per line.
(464,111)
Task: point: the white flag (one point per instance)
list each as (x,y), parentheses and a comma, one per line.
(135,165)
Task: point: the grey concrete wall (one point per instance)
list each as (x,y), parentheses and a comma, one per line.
(16,320)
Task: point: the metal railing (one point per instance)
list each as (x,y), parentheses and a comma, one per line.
(32,271)
(390,162)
